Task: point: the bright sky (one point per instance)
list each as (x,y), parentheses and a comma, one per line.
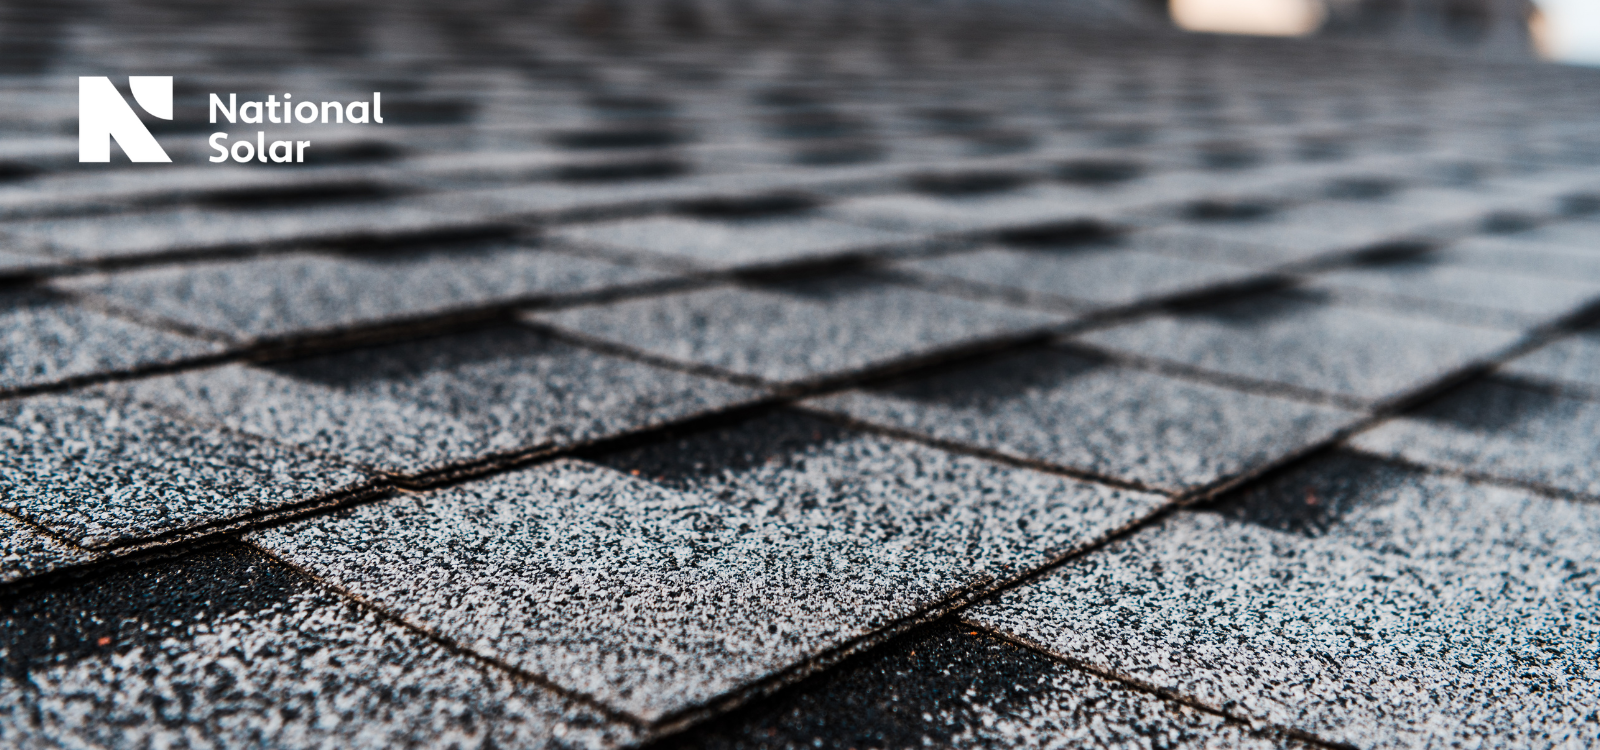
(1571,30)
(1573,27)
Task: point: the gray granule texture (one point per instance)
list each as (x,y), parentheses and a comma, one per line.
(948,685)
(1527,255)
(1299,339)
(230,651)
(103,471)
(46,339)
(25,552)
(657,600)
(1461,294)
(1572,360)
(1087,276)
(303,293)
(1305,232)
(798,331)
(1500,428)
(1356,601)
(194,229)
(14,264)
(1085,414)
(1038,204)
(809,471)
(1578,235)
(413,407)
(735,243)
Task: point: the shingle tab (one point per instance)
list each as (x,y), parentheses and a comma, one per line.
(1305,232)
(186,230)
(1361,603)
(798,331)
(46,339)
(25,552)
(1460,294)
(1086,414)
(737,243)
(1500,428)
(105,472)
(416,407)
(1526,254)
(230,650)
(304,294)
(1299,339)
(657,600)
(958,688)
(1096,276)
(1572,360)
(987,212)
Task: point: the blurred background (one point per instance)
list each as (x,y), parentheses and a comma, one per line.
(1562,30)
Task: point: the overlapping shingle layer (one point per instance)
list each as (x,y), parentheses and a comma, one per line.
(747,375)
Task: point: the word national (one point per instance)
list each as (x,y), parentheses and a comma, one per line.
(305,112)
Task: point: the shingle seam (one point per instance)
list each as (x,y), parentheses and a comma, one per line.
(953,601)
(997,456)
(1229,381)
(1547,385)
(449,644)
(1540,488)
(1260,729)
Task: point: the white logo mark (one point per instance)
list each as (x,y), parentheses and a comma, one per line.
(103,114)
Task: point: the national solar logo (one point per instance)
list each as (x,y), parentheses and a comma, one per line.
(104,115)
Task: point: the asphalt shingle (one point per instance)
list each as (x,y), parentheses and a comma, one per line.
(1266,237)
(1094,276)
(46,339)
(1527,254)
(1574,360)
(798,331)
(1455,293)
(657,600)
(951,686)
(25,552)
(105,472)
(422,406)
(1083,413)
(1299,339)
(737,244)
(189,230)
(1361,603)
(1500,428)
(231,650)
(307,294)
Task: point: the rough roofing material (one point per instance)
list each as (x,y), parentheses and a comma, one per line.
(952,686)
(806,330)
(1096,275)
(46,339)
(26,552)
(1090,415)
(737,243)
(657,601)
(1572,360)
(1500,428)
(1459,294)
(232,650)
(1299,339)
(422,406)
(105,472)
(1361,603)
(304,294)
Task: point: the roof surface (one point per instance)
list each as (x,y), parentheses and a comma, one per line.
(787,376)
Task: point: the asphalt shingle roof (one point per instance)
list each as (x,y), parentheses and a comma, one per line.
(764,375)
